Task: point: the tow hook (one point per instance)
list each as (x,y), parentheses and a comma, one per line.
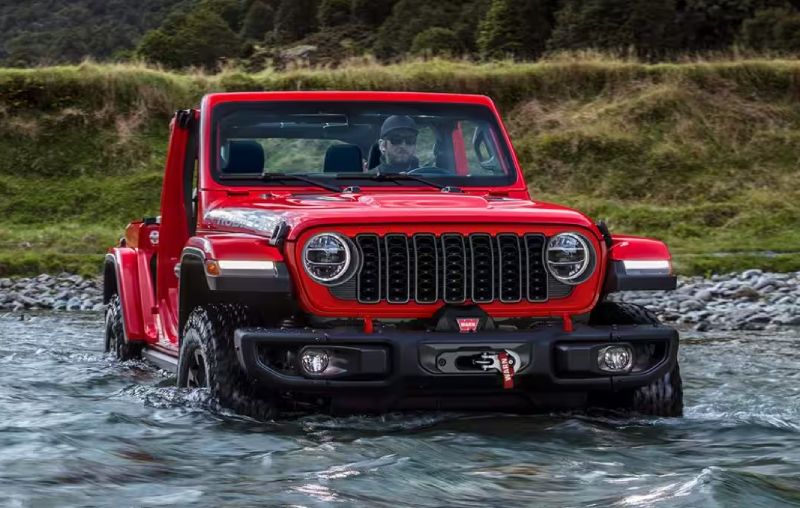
(504,362)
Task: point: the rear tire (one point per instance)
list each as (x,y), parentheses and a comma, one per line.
(662,397)
(115,333)
(208,359)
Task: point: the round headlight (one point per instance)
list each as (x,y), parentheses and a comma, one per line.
(569,257)
(328,258)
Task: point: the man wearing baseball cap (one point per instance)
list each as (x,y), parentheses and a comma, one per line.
(398,145)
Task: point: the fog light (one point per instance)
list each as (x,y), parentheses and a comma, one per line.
(314,361)
(615,358)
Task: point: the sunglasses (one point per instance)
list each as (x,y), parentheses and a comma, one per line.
(396,139)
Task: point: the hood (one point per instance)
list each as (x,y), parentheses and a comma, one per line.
(300,212)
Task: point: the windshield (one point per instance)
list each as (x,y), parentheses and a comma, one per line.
(451,144)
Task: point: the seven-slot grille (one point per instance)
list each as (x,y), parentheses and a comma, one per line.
(452,267)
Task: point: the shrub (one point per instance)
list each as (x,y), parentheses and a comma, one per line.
(772,30)
(333,12)
(259,20)
(516,28)
(437,41)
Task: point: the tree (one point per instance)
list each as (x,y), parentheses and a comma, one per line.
(437,41)
(409,18)
(231,11)
(259,20)
(199,39)
(295,19)
(517,28)
(775,29)
(372,12)
(713,24)
(649,26)
(333,12)
(158,47)
(61,31)
(466,25)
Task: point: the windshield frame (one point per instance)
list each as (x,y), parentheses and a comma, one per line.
(474,110)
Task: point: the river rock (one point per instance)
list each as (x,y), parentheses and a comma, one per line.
(788,319)
(691,304)
(73,304)
(747,292)
(704,295)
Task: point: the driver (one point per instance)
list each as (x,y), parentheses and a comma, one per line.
(398,145)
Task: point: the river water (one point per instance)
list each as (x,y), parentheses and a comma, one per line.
(79,429)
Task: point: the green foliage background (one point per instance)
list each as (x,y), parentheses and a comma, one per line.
(702,155)
(256,34)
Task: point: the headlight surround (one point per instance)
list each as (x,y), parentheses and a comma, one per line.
(569,258)
(330,258)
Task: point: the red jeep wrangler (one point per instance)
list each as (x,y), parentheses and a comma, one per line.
(351,251)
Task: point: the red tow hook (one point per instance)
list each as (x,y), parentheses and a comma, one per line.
(506,369)
(567,323)
(369,326)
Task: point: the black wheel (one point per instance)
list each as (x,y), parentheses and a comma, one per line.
(115,333)
(662,397)
(207,359)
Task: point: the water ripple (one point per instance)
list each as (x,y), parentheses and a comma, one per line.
(78,428)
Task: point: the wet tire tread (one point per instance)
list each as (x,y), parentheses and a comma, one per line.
(662,397)
(115,333)
(211,327)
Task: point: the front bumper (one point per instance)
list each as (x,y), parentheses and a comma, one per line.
(418,369)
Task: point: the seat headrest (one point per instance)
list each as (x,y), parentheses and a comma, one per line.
(245,157)
(343,159)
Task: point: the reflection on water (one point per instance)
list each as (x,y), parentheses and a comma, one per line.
(77,428)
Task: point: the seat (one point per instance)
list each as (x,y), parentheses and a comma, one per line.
(343,159)
(374,156)
(245,157)
(444,158)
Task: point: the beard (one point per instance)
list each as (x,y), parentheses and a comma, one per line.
(400,157)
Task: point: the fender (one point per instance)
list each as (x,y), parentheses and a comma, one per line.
(125,265)
(638,264)
(239,262)
(243,264)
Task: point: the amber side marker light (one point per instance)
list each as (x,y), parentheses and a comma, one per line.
(212,268)
(236,267)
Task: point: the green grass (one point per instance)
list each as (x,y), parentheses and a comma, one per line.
(704,155)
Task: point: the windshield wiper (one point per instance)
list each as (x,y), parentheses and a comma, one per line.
(391,177)
(301,178)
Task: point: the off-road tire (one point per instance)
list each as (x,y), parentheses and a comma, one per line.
(662,397)
(621,313)
(210,329)
(115,333)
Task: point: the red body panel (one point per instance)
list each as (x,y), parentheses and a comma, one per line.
(126,264)
(306,211)
(239,246)
(626,247)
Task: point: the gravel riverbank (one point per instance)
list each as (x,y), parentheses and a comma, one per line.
(751,300)
(55,292)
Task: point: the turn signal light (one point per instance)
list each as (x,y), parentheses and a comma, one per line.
(212,268)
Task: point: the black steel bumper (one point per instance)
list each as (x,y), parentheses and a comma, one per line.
(389,368)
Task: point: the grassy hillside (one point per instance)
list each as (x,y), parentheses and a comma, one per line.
(703,155)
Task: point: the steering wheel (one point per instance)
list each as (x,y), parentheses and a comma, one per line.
(428,170)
